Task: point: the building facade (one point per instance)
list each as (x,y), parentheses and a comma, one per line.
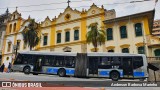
(156,28)
(65,33)
(129,34)
(11,38)
(3,24)
(154,39)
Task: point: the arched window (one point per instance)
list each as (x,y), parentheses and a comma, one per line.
(125,50)
(9,47)
(14,16)
(138,29)
(109,34)
(18,44)
(123,32)
(10,28)
(157,52)
(14,27)
(141,50)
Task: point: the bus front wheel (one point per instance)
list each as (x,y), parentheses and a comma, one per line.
(26,70)
(114,75)
(62,72)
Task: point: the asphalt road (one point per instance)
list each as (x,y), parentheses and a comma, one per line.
(71,81)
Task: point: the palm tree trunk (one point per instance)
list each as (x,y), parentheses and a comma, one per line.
(95,45)
(95,49)
(30,48)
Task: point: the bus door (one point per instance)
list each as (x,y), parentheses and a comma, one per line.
(93,65)
(38,64)
(127,66)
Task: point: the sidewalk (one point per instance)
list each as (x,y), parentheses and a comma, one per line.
(53,88)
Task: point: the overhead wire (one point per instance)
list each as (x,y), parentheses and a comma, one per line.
(42,4)
(89,6)
(127,2)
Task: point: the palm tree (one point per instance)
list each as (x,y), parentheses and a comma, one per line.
(95,36)
(31,34)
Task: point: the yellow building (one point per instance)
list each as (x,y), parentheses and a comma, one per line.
(66,33)
(10,39)
(130,34)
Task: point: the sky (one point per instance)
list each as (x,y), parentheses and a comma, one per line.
(58,6)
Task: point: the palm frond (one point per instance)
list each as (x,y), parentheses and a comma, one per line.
(95,36)
(30,34)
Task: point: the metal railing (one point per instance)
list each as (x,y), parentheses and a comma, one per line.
(153,59)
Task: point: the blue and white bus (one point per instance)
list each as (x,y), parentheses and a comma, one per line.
(94,64)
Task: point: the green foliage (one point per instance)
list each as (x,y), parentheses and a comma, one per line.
(95,36)
(30,34)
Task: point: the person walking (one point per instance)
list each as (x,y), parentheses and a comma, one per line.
(9,67)
(2,67)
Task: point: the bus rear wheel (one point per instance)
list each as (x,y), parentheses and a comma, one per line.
(114,75)
(26,70)
(62,72)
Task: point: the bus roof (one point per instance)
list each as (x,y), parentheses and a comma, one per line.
(75,53)
(112,54)
(49,53)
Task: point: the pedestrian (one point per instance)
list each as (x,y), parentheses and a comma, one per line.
(2,67)
(9,67)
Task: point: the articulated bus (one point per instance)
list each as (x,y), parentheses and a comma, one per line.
(95,64)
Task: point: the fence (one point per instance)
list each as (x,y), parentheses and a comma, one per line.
(153,59)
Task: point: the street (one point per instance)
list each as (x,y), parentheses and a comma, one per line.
(72,81)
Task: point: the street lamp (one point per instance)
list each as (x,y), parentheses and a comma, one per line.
(15,48)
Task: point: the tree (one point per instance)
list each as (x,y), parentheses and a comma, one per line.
(31,34)
(95,36)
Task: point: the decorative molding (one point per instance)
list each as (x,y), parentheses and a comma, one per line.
(67,29)
(44,34)
(65,49)
(76,28)
(18,40)
(139,44)
(110,47)
(58,31)
(125,46)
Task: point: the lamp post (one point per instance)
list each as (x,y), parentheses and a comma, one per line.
(15,48)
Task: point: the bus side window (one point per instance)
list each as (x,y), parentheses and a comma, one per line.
(104,63)
(59,61)
(116,61)
(47,61)
(138,62)
(52,60)
(69,61)
(25,59)
(18,59)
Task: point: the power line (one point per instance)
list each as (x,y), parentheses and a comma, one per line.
(75,1)
(89,6)
(43,4)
